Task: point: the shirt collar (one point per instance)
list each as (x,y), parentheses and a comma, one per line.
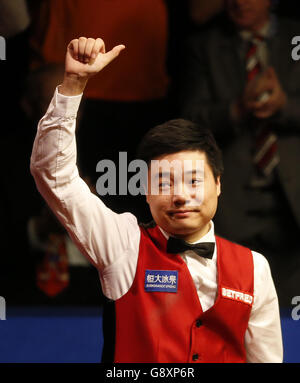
(267,31)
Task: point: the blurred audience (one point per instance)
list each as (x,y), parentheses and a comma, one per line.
(62,273)
(240,80)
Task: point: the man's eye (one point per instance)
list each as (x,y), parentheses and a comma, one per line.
(164,184)
(196,182)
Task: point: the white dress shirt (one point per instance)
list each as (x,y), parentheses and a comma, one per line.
(111,241)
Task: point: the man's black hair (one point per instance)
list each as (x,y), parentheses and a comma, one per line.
(180,135)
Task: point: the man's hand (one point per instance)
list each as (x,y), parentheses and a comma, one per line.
(277,97)
(84,58)
(262,97)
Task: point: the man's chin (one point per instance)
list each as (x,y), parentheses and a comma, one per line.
(182,227)
(243,22)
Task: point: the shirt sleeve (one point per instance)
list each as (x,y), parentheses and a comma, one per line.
(263,338)
(109,240)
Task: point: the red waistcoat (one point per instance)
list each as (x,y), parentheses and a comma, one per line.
(171,326)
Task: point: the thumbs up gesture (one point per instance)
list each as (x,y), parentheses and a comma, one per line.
(85,57)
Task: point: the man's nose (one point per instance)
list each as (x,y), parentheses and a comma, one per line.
(181,195)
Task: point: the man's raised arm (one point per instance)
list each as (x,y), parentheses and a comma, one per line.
(101,235)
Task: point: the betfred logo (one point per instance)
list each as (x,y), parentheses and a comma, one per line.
(237,296)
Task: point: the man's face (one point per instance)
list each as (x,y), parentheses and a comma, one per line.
(188,194)
(248,14)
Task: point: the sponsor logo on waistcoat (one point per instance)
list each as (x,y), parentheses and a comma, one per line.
(237,295)
(161,280)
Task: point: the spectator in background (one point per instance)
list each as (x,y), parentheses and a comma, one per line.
(133,91)
(240,79)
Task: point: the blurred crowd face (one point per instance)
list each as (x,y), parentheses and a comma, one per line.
(248,14)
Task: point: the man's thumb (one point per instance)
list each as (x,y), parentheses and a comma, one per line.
(112,54)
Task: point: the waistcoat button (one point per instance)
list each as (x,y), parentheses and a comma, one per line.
(195,357)
(198,323)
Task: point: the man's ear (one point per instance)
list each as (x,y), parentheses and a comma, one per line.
(146,192)
(218,184)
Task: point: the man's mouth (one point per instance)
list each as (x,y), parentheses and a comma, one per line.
(181,213)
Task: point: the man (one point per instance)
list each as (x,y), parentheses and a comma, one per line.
(169,305)
(241,80)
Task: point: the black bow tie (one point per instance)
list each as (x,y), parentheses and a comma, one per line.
(177,245)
